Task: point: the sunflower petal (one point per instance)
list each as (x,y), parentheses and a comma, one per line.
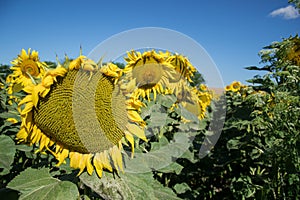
(27,108)
(88,164)
(130,139)
(117,158)
(98,164)
(134,116)
(136,130)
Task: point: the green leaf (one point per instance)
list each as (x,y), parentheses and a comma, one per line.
(10,114)
(182,188)
(38,184)
(257,68)
(186,114)
(233,144)
(172,168)
(166,100)
(157,119)
(127,186)
(161,156)
(7,153)
(24,147)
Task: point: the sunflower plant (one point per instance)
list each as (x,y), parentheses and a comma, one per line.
(257,155)
(81,129)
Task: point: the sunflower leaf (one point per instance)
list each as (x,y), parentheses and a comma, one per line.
(38,184)
(172,168)
(7,153)
(127,186)
(181,188)
(161,155)
(166,100)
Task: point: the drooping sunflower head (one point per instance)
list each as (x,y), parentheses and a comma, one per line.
(195,101)
(27,68)
(73,113)
(182,65)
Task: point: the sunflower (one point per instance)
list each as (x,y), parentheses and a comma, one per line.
(235,86)
(26,69)
(204,99)
(165,73)
(194,100)
(80,115)
(182,65)
(148,73)
(1,85)
(293,53)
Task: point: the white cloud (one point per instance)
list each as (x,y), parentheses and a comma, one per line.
(288,12)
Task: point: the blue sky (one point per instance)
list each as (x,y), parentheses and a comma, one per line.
(232,32)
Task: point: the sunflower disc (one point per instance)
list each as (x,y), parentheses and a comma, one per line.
(85,114)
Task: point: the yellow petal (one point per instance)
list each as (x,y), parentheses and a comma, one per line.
(134,116)
(28,89)
(26,99)
(62,156)
(12,120)
(136,130)
(48,81)
(130,139)
(74,159)
(22,135)
(117,158)
(105,160)
(88,164)
(27,108)
(35,94)
(98,164)
(154,94)
(35,135)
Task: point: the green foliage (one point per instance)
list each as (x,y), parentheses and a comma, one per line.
(30,175)
(256,157)
(197,79)
(7,154)
(39,184)
(128,186)
(296,3)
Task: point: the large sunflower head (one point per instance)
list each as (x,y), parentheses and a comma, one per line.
(81,114)
(26,68)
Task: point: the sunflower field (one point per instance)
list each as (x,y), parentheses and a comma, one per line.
(84,129)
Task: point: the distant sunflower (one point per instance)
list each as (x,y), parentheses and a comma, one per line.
(148,73)
(235,86)
(293,53)
(73,113)
(26,68)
